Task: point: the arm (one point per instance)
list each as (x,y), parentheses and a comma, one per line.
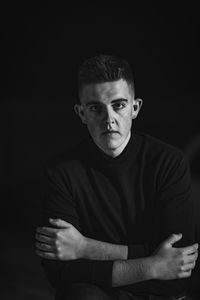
(94,249)
(166,263)
(173,212)
(60,203)
(66,243)
(71,244)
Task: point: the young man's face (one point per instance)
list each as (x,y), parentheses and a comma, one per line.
(108,109)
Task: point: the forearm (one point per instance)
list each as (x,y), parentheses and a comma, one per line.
(97,250)
(131,271)
(107,273)
(81,270)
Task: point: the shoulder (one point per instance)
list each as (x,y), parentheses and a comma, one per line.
(69,159)
(160,154)
(165,162)
(156,146)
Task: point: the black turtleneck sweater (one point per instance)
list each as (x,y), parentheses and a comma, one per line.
(137,199)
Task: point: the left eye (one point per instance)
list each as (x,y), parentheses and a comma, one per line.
(118,105)
(94,108)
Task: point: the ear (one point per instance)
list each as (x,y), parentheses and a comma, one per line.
(78,108)
(137,104)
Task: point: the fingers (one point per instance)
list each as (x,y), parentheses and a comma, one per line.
(172,239)
(186,274)
(188,267)
(47,231)
(44,238)
(45,247)
(186,270)
(190,249)
(189,254)
(191,258)
(45,242)
(59,223)
(47,255)
(189,263)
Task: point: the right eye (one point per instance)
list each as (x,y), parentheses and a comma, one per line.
(94,108)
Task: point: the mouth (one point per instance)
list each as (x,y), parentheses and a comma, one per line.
(110,132)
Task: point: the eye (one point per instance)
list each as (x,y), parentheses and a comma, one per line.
(119,105)
(94,108)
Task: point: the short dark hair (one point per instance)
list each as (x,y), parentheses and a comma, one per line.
(104,68)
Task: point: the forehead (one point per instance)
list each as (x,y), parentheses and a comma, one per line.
(106,92)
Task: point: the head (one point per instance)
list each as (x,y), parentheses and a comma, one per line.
(107,101)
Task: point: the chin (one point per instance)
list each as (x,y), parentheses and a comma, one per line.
(112,146)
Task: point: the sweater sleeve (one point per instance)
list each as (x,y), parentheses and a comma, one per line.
(138,251)
(58,202)
(173,213)
(175,209)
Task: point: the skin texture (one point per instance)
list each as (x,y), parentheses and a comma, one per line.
(108,110)
(65,242)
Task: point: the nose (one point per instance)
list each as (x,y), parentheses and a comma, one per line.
(108,117)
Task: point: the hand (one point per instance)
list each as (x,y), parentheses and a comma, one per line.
(174,263)
(63,243)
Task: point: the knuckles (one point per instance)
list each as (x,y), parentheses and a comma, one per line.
(56,243)
(57,234)
(180,253)
(193,265)
(181,269)
(59,255)
(179,275)
(183,261)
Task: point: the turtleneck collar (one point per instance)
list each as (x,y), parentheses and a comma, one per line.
(94,153)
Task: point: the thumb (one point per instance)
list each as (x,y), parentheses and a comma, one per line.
(59,223)
(172,239)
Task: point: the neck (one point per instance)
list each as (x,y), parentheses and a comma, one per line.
(116,152)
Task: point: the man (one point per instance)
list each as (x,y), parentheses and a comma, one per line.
(117,216)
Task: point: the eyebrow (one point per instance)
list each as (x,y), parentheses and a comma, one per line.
(112,102)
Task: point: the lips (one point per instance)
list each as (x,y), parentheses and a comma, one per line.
(110,132)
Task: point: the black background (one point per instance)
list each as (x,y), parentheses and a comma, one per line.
(42,46)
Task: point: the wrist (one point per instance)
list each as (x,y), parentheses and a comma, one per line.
(147,268)
(82,252)
(93,249)
(152,267)
(131,271)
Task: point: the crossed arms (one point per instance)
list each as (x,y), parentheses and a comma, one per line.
(64,242)
(69,256)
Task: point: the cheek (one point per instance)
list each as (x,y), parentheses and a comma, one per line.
(92,125)
(127,120)
(93,121)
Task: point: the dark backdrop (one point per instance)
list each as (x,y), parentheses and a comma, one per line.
(42,46)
